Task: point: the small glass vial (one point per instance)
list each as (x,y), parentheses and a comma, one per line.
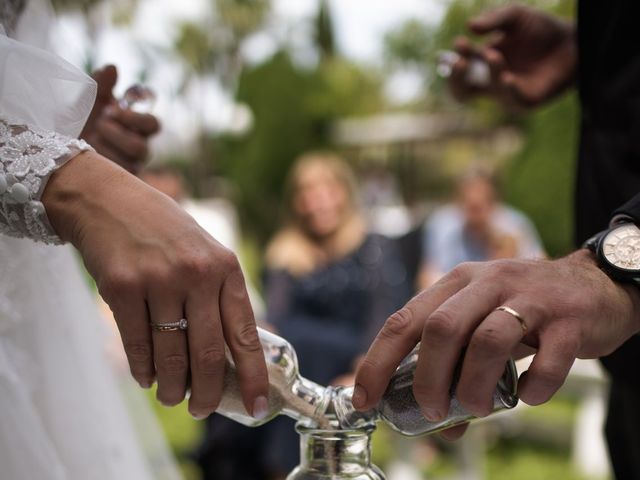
(478,72)
(335,454)
(400,410)
(289,393)
(138,98)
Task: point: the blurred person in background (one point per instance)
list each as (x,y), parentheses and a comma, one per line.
(165,179)
(329,286)
(585,305)
(477,227)
(328,283)
(120,134)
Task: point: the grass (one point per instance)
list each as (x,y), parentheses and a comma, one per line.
(529,456)
(517,459)
(183,433)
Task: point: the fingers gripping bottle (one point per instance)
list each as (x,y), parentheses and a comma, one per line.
(399,409)
(289,393)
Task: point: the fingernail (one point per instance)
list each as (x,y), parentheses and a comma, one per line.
(359,398)
(432,414)
(145,383)
(110,111)
(199,416)
(260,408)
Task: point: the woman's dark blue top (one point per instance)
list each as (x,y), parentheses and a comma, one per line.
(331,315)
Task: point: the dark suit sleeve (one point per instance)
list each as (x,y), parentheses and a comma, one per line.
(619,362)
(631,209)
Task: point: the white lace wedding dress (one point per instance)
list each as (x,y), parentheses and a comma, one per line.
(62,414)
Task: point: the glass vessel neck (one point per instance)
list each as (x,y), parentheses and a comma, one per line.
(309,401)
(336,453)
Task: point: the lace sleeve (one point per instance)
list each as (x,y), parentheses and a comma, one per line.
(28,157)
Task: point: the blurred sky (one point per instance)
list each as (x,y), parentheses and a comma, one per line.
(359,26)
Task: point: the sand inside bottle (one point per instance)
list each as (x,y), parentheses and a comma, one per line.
(282,398)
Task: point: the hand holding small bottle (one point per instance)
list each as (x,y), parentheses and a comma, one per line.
(154,265)
(565,309)
(118,129)
(531,57)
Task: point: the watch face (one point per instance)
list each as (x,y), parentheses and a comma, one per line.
(621,247)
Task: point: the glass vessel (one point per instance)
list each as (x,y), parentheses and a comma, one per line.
(138,98)
(289,393)
(478,71)
(399,409)
(335,454)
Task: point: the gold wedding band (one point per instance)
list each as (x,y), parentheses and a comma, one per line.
(170,327)
(514,314)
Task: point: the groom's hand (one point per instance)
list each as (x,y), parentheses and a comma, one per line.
(571,310)
(154,264)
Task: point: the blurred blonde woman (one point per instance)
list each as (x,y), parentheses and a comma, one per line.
(323,218)
(329,286)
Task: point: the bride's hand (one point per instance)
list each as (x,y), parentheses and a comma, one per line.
(154,264)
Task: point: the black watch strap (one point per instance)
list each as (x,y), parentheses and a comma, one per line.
(592,243)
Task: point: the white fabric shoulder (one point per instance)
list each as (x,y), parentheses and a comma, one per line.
(28,156)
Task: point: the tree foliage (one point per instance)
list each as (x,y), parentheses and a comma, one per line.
(243,17)
(294,108)
(324,31)
(540,179)
(277,94)
(411,43)
(212,45)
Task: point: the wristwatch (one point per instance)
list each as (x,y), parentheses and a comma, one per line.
(618,251)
